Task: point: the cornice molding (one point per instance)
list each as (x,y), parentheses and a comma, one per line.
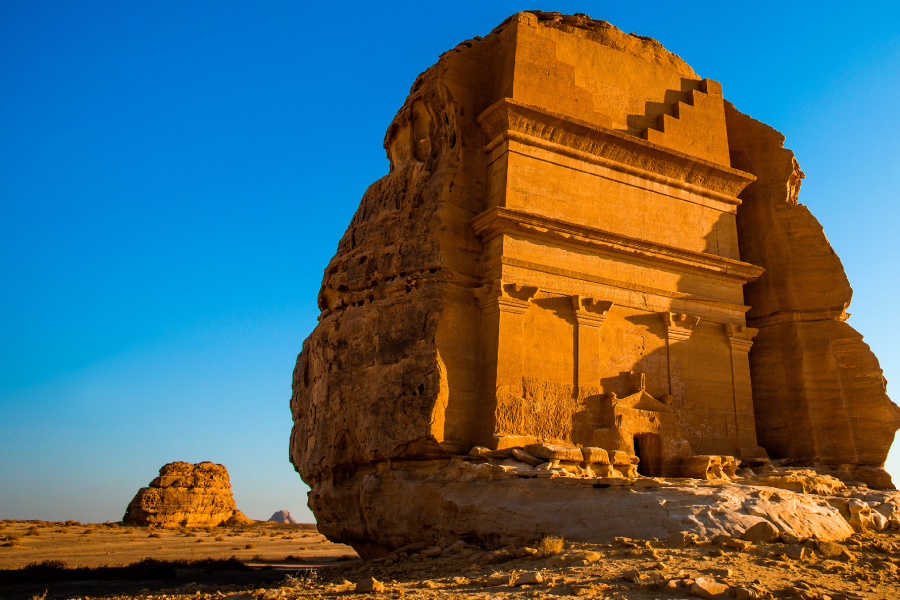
(509,119)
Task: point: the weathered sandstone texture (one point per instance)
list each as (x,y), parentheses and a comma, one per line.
(186,495)
(584,265)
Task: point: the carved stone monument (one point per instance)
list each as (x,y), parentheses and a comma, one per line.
(581,244)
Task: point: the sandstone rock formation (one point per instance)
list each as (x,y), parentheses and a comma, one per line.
(186,495)
(283,516)
(583,262)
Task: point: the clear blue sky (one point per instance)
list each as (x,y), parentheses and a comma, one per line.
(175,176)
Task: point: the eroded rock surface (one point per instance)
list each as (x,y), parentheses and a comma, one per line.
(818,390)
(584,265)
(186,495)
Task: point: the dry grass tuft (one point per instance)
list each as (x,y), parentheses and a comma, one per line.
(219,538)
(155,535)
(33,531)
(249,547)
(550,545)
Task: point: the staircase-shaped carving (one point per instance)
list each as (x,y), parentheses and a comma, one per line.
(697,127)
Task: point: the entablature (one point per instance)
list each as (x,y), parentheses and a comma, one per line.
(498,220)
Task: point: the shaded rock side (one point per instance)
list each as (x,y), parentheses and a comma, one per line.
(818,391)
(186,495)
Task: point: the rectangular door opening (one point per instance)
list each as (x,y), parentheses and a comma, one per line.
(648,448)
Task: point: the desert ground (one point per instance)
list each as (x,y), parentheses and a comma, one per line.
(296,562)
(267,548)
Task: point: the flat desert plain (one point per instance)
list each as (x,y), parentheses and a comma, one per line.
(90,545)
(295,562)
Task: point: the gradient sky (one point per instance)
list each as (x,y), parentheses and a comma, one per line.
(175,176)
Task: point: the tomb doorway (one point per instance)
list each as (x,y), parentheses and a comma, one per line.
(648,448)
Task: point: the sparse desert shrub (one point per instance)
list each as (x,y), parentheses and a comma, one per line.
(41,596)
(219,538)
(61,530)
(88,531)
(200,541)
(249,547)
(71,523)
(190,535)
(33,531)
(257,557)
(155,535)
(549,546)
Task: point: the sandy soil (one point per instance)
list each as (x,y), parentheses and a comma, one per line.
(870,569)
(102,545)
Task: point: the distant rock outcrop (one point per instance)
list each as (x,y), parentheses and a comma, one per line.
(283,516)
(186,495)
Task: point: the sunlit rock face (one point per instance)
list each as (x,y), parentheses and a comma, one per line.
(186,495)
(580,244)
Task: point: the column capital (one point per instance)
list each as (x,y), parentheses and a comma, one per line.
(679,326)
(740,337)
(590,311)
(504,297)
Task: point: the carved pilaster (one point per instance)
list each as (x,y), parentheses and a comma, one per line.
(590,311)
(503,306)
(679,328)
(740,338)
(505,297)
(590,314)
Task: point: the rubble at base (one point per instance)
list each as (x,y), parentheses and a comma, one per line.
(505,501)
